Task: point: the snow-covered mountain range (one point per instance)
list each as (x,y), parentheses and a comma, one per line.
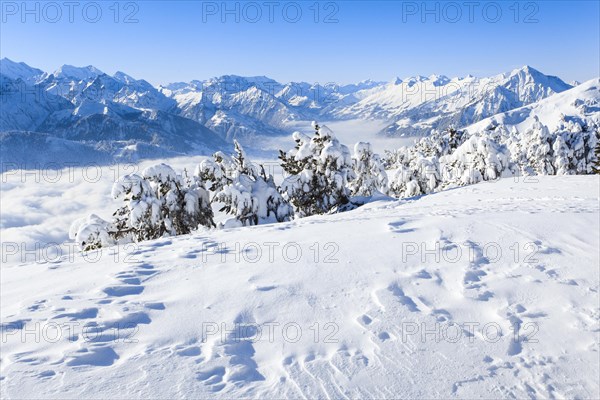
(112,115)
(580,105)
(418,105)
(125,118)
(247,107)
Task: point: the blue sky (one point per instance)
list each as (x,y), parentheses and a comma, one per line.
(349,41)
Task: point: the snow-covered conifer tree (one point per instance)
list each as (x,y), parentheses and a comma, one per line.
(183,207)
(251,196)
(369,170)
(538,149)
(215,174)
(478,159)
(562,156)
(416,175)
(405,183)
(582,144)
(596,167)
(140,217)
(319,169)
(91,233)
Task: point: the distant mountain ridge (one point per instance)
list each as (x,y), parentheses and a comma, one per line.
(84,104)
(417,105)
(116,113)
(580,105)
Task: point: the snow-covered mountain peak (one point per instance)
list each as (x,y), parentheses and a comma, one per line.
(526,69)
(251,94)
(123,77)
(368,83)
(413,80)
(77,73)
(19,70)
(438,80)
(237,83)
(530,75)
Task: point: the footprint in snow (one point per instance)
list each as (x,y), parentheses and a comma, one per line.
(190,255)
(266,288)
(190,351)
(404,299)
(441,315)
(396,227)
(129,278)
(213,378)
(473,285)
(119,291)
(95,349)
(422,274)
(99,356)
(11,326)
(238,351)
(155,306)
(86,313)
(26,357)
(46,374)
(37,305)
(365,319)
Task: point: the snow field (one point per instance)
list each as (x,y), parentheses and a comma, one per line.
(410,298)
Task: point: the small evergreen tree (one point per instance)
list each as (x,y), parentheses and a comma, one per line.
(405,183)
(596,167)
(369,171)
(251,195)
(538,149)
(417,175)
(478,159)
(455,139)
(583,145)
(319,170)
(140,217)
(215,174)
(562,156)
(91,233)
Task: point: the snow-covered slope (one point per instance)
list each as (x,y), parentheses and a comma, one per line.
(424,306)
(39,151)
(25,106)
(112,122)
(580,104)
(68,81)
(400,95)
